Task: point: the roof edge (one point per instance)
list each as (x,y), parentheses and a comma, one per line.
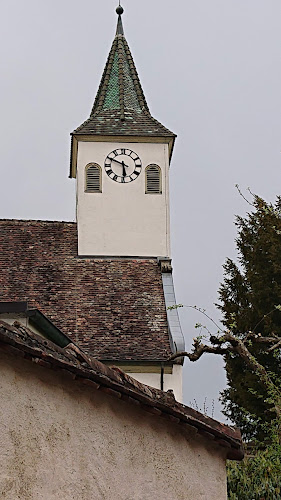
(40,220)
(115,382)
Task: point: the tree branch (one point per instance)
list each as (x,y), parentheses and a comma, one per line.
(258,339)
(276,346)
(227,343)
(199,351)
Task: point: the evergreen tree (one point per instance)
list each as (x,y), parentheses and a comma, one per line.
(250,296)
(257,477)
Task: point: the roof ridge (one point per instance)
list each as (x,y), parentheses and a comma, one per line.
(82,125)
(39,220)
(121,76)
(136,79)
(97,106)
(160,124)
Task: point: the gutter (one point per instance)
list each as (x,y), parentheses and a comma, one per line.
(175,332)
(37,320)
(43,324)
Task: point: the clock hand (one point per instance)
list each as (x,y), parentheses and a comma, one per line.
(120,163)
(124,170)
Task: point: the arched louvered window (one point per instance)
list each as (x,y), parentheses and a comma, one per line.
(93,178)
(153,180)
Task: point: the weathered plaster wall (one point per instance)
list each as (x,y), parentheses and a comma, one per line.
(59,439)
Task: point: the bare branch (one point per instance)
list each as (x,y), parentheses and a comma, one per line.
(202,311)
(276,346)
(229,343)
(241,194)
(258,339)
(199,350)
(263,318)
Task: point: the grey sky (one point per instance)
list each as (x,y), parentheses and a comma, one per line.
(211,73)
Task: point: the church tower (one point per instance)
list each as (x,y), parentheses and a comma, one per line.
(120,157)
(105,281)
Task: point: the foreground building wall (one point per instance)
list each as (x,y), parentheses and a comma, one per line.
(63,440)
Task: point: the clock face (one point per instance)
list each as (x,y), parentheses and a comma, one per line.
(123,165)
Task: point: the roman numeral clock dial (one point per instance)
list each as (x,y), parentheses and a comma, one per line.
(123,165)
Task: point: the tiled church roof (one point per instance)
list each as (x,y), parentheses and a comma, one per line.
(120,107)
(113,308)
(135,124)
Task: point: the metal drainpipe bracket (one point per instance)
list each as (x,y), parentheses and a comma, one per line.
(165,264)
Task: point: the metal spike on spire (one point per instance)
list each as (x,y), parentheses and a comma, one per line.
(119,11)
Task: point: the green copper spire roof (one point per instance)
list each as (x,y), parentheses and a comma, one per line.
(120,87)
(120,107)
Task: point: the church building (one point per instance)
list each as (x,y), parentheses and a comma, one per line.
(90,399)
(106,280)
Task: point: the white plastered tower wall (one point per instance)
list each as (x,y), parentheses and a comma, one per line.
(123,220)
(171,381)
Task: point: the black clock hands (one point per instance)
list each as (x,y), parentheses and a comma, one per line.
(120,162)
(128,173)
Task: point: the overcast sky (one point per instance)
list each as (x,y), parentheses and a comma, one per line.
(210,70)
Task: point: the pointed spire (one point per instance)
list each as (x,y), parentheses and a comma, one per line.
(119,11)
(120,88)
(120,106)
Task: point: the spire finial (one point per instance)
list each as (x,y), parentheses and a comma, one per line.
(119,11)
